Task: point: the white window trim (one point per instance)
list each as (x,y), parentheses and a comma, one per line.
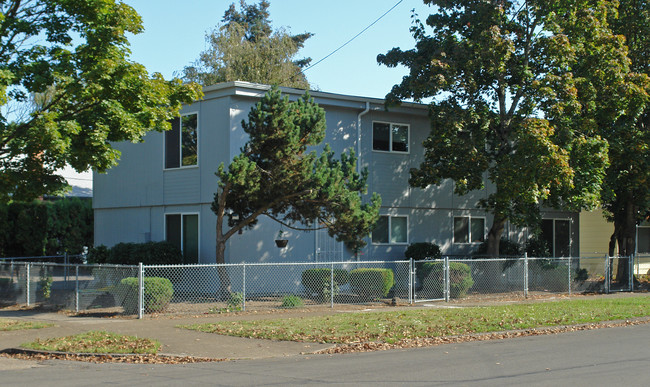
(570,234)
(180,143)
(390,140)
(453,236)
(198,220)
(389,232)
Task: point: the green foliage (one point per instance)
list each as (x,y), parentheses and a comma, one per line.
(97,342)
(319,281)
(45,283)
(98,255)
(431,276)
(620,95)
(537,247)
(291,301)
(581,275)
(157,294)
(494,72)
(45,227)
(236,301)
(69,102)
(372,283)
(149,253)
(276,175)
(423,250)
(246,49)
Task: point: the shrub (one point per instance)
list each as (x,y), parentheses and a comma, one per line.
(236,301)
(372,283)
(149,253)
(423,250)
(291,301)
(98,255)
(157,294)
(460,278)
(581,275)
(318,281)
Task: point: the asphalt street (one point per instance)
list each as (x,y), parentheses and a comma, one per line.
(601,357)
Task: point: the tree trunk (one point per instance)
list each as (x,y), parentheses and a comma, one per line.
(494,236)
(224,280)
(626,241)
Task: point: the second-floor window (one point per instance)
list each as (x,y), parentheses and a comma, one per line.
(181,142)
(388,137)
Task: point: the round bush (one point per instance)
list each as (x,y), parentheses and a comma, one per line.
(316,281)
(372,283)
(157,294)
(423,250)
(432,278)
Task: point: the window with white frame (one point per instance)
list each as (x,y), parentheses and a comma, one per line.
(389,137)
(469,229)
(643,238)
(557,235)
(181,142)
(182,230)
(390,230)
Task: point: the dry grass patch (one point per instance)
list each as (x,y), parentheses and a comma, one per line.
(97,342)
(14,325)
(397,326)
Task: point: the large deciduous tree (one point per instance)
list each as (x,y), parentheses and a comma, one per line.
(623,103)
(68,89)
(276,176)
(245,48)
(505,105)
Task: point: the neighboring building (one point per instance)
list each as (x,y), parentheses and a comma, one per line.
(163,187)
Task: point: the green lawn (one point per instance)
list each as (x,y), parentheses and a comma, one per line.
(14,325)
(97,342)
(390,327)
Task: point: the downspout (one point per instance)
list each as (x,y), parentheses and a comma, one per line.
(366,110)
(359,136)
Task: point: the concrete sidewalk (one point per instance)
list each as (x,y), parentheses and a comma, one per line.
(175,341)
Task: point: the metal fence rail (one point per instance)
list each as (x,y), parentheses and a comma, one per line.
(254,286)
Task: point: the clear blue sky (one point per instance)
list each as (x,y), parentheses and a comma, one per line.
(175,35)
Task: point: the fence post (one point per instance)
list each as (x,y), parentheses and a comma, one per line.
(244,287)
(525,275)
(607,276)
(27,272)
(140,290)
(76,288)
(411,275)
(446,272)
(630,265)
(65,269)
(332,286)
(569,270)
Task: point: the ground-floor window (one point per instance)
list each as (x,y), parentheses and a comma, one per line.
(469,229)
(643,238)
(557,235)
(390,229)
(183,231)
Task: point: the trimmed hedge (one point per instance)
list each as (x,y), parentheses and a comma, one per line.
(319,280)
(149,253)
(45,227)
(431,276)
(372,283)
(423,250)
(157,294)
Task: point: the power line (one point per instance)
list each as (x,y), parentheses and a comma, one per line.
(355,36)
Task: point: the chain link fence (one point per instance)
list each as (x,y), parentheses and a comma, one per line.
(201,289)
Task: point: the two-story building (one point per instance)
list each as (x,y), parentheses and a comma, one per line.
(163,188)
